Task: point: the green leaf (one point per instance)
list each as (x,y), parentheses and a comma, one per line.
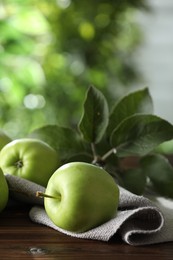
(64,140)
(95,117)
(135,103)
(140,134)
(134,180)
(160,172)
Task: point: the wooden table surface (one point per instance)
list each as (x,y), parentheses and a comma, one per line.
(20,238)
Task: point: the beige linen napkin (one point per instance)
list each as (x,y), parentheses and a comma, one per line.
(139,220)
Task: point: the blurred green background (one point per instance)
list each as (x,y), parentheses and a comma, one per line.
(51,51)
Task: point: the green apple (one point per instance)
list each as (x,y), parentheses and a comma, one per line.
(4,139)
(165,148)
(80,196)
(30,159)
(4,192)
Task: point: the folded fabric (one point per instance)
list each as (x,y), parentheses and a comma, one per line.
(139,220)
(24,190)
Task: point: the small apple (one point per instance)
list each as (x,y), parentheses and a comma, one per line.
(4,139)
(4,192)
(165,148)
(30,159)
(80,196)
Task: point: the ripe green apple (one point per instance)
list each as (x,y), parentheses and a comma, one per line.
(165,148)
(80,196)
(4,192)
(30,159)
(4,139)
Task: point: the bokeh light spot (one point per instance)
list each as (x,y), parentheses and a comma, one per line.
(32,101)
(63,3)
(86,30)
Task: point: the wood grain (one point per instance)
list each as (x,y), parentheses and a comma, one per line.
(22,239)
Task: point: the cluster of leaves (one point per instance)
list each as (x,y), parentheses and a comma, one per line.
(109,138)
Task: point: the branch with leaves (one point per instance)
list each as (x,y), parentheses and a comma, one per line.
(105,138)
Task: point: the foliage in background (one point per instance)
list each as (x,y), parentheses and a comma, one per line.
(51,51)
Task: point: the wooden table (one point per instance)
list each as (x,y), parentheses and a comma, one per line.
(22,239)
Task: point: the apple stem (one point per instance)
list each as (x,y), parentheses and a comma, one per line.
(44,195)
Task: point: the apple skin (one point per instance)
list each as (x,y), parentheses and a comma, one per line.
(85,196)
(30,159)
(4,191)
(4,139)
